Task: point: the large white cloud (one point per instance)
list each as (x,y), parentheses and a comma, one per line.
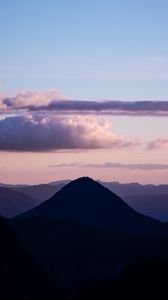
(34,133)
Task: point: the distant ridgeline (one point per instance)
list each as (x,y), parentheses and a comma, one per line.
(150,200)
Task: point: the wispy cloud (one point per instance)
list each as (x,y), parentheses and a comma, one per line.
(34,133)
(67,165)
(140,166)
(54,101)
(158,144)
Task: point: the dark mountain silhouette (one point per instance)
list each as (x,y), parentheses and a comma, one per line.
(20,276)
(86,234)
(88,202)
(13,203)
(148,199)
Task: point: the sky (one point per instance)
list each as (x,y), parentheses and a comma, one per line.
(84,90)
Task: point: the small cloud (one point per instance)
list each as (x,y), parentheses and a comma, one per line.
(66,165)
(158,144)
(32,99)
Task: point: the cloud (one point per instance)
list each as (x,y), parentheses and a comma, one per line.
(137,108)
(140,166)
(2,102)
(34,133)
(67,165)
(54,101)
(30,99)
(158,144)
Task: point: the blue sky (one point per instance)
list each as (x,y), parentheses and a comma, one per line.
(86,49)
(82,49)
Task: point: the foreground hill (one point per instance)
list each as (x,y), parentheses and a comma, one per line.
(20,276)
(141,280)
(86,201)
(76,256)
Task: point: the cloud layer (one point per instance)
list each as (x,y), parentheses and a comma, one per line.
(54,101)
(140,166)
(34,133)
(137,108)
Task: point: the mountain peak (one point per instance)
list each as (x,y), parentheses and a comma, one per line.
(88,202)
(83,180)
(84,185)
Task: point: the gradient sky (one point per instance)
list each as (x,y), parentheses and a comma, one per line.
(88,50)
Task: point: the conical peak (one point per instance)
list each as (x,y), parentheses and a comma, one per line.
(84,179)
(82,182)
(86,201)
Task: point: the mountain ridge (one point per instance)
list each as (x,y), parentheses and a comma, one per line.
(90,203)
(13,203)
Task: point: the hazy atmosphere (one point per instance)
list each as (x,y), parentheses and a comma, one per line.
(84,89)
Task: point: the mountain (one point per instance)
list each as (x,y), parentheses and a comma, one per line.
(86,234)
(125,189)
(13,203)
(40,192)
(62,182)
(155,206)
(150,200)
(8,185)
(20,276)
(88,202)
